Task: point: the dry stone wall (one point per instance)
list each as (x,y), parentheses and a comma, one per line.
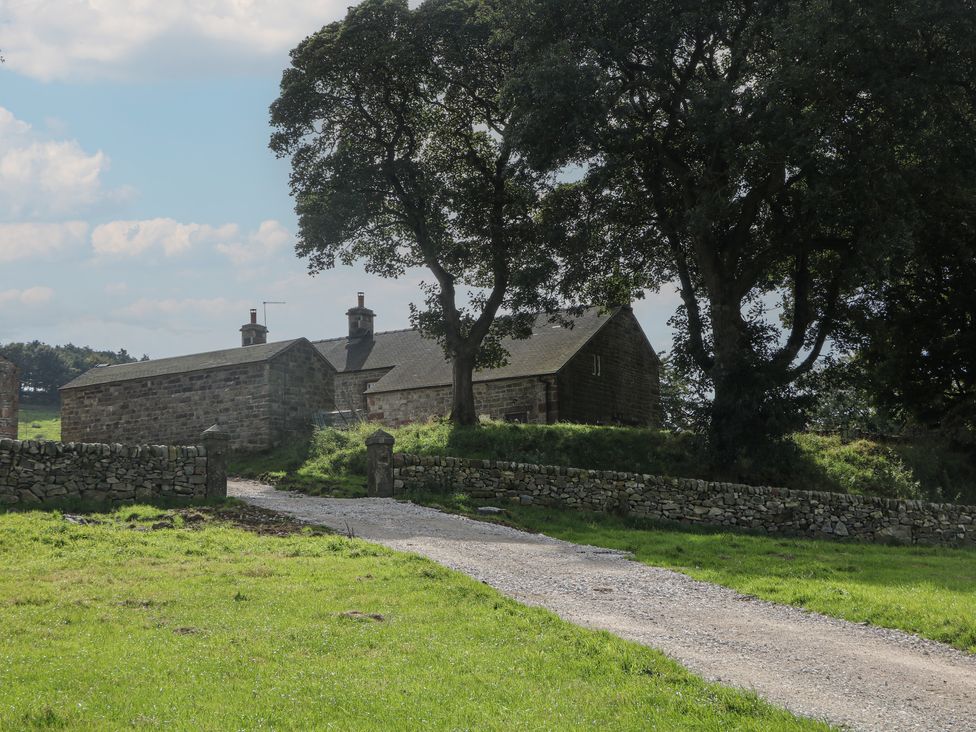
(9,395)
(780,511)
(37,472)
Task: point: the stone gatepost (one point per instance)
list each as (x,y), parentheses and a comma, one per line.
(379,464)
(9,394)
(216,442)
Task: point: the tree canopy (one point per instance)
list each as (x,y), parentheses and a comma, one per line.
(44,369)
(774,160)
(402,152)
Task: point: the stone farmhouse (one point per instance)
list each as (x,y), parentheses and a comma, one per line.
(602,370)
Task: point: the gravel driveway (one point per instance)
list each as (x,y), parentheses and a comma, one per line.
(854,675)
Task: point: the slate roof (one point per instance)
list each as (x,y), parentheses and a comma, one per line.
(181,364)
(417,362)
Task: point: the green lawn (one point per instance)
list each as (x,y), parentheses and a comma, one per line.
(187,620)
(924,590)
(39,423)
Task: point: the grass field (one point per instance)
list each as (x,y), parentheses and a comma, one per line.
(192,619)
(39,423)
(334,461)
(924,590)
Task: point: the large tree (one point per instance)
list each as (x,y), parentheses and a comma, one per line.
(768,157)
(402,156)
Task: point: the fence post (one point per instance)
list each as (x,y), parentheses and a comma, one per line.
(216,443)
(379,464)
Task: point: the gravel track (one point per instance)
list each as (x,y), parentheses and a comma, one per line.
(853,675)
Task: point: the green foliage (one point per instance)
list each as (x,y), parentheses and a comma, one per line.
(44,369)
(201,625)
(862,467)
(334,461)
(402,156)
(928,591)
(39,423)
(752,153)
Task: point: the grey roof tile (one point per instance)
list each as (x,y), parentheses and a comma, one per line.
(419,362)
(181,364)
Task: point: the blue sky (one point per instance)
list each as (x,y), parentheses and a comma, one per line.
(140,207)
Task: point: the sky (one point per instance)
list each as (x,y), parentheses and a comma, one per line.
(140,206)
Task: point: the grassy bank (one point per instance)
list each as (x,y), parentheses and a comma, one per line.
(922,590)
(335,461)
(39,423)
(220,619)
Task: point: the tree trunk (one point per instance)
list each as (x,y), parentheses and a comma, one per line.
(463,412)
(738,424)
(735,422)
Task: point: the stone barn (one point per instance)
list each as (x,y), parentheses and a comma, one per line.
(9,396)
(602,370)
(257,393)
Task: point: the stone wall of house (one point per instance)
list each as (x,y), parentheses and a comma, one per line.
(301,384)
(35,472)
(350,388)
(9,396)
(613,379)
(770,510)
(173,409)
(524,399)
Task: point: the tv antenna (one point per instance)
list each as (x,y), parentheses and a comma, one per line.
(265,303)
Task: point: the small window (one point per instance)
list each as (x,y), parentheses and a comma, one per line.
(597,365)
(521,417)
(371,384)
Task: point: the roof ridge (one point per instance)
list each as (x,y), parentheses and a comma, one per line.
(379,332)
(201,353)
(417,330)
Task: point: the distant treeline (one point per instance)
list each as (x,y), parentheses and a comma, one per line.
(44,369)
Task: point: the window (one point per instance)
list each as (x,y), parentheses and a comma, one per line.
(522,417)
(597,365)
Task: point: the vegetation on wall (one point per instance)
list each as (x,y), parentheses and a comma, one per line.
(333,461)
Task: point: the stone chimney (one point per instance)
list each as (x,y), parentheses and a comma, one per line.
(360,320)
(253,333)
(9,394)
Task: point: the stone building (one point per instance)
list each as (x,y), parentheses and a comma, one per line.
(602,370)
(258,394)
(9,396)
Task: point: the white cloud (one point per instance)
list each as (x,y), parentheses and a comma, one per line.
(56,39)
(131,238)
(29,241)
(150,309)
(44,178)
(171,237)
(31,296)
(258,246)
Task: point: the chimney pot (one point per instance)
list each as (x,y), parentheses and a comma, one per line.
(362,299)
(253,334)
